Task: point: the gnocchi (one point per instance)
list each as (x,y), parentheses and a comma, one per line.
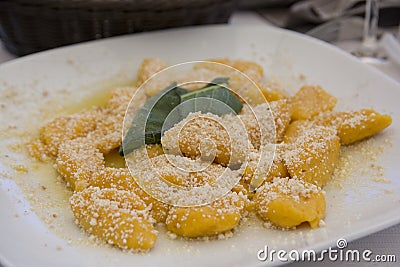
(283,151)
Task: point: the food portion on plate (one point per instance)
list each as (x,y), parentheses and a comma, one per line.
(270,152)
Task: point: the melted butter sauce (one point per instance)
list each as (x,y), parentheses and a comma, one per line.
(100,96)
(43,189)
(114,160)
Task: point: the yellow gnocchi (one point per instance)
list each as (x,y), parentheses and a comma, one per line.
(281,153)
(149,67)
(295,129)
(263,167)
(309,101)
(288,203)
(313,156)
(212,219)
(273,92)
(64,128)
(253,70)
(353,126)
(208,136)
(266,123)
(119,217)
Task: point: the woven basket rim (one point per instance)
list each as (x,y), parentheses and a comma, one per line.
(128,5)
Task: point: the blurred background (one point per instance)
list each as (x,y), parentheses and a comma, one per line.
(368,29)
(28,26)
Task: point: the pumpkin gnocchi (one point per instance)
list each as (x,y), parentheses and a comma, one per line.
(283,149)
(353,126)
(309,101)
(119,217)
(290,202)
(313,156)
(221,216)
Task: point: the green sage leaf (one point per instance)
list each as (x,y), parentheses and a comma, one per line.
(147,126)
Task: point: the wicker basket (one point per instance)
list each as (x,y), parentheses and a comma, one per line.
(28,26)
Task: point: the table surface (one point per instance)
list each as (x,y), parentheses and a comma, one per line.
(384,242)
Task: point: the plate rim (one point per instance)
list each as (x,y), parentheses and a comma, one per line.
(267,27)
(360,233)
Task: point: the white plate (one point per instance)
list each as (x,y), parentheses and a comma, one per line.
(33,87)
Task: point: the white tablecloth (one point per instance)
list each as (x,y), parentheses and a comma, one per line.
(383,242)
